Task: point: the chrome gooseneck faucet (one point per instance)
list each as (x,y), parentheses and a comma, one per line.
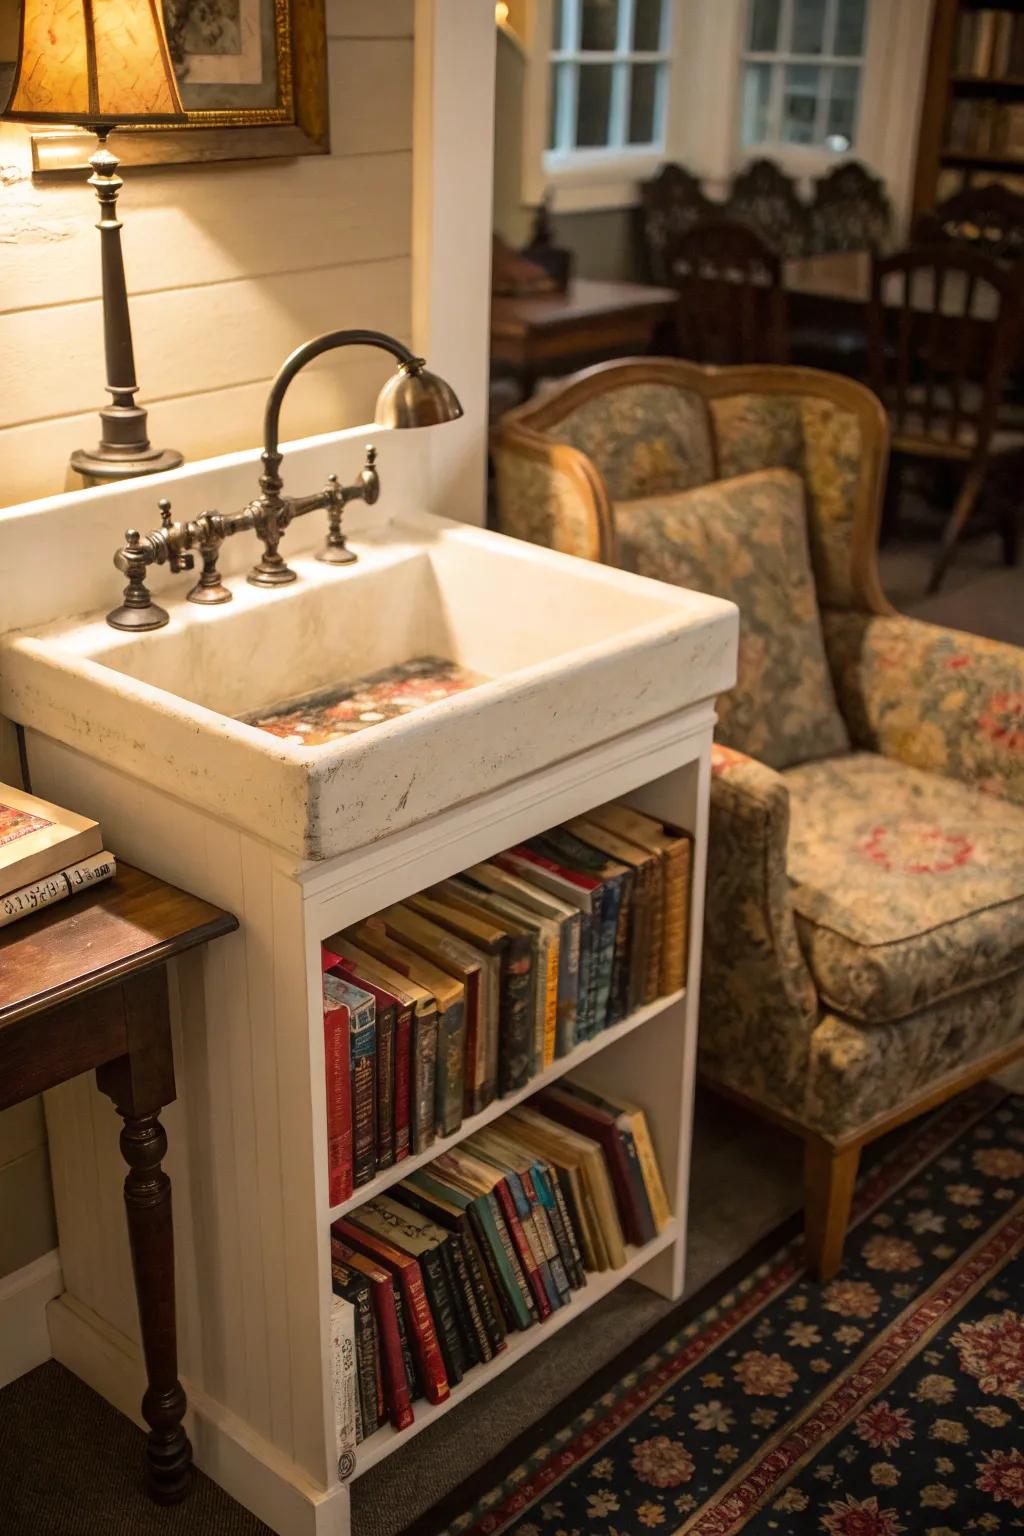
(412,397)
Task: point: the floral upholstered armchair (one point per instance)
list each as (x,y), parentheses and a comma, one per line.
(864,941)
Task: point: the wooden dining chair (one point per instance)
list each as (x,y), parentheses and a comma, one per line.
(764,196)
(989,219)
(943,330)
(850,211)
(731,306)
(671,203)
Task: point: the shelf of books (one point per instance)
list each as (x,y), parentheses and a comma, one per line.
(485,1188)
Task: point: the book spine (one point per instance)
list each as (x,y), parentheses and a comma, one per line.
(524,1306)
(660,1209)
(676,916)
(589,923)
(618,1000)
(524,1249)
(568,985)
(412,1379)
(496,1266)
(451,1060)
(397,1398)
(546,1238)
(515,1045)
(424,1080)
(343,1384)
(454,1274)
(337,1077)
(549,1034)
(57,887)
(403,1083)
(484,1285)
(442,1308)
(473,1052)
(386,1088)
(545,1192)
(363,1042)
(611,897)
(639,938)
(641,1204)
(371,1386)
(491,1000)
(466,1294)
(652,977)
(574,1262)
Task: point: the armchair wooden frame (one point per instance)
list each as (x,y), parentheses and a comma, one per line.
(527,430)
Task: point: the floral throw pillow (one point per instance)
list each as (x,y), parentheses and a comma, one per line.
(746,539)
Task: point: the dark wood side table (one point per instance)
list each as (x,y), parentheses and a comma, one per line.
(83,986)
(556,333)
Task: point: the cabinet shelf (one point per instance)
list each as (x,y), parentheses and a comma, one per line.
(583,1052)
(387,1439)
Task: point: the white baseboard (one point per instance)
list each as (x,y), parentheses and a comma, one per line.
(255,1474)
(24,1336)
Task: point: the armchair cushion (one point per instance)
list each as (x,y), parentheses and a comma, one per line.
(645,438)
(746,539)
(932,698)
(908,887)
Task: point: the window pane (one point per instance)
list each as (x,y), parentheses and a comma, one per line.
(600,26)
(756,111)
(808,26)
(764,26)
(557,26)
(842,105)
(800,103)
(647,19)
(850,28)
(559,83)
(643,103)
(593,107)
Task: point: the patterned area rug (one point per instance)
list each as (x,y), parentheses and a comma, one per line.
(890,1400)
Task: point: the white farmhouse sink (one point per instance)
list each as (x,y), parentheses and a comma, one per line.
(567,647)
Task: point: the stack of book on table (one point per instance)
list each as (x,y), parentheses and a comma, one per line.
(463,994)
(46,854)
(492,1237)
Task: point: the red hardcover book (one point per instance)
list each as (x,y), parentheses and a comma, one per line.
(338,1080)
(600,1127)
(396,1388)
(363,970)
(421,1322)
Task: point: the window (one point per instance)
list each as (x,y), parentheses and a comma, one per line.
(609,77)
(802,67)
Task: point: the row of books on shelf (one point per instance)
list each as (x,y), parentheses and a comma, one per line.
(985,128)
(442,1003)
(491,1238)
(46,854)
(989,44)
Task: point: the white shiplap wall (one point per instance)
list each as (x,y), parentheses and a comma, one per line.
(228,266)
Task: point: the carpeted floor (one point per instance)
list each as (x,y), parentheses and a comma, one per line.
(886,1401)
(746,1180)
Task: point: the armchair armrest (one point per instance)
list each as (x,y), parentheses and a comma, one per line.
(551,494)
(932,698)
(759,1004)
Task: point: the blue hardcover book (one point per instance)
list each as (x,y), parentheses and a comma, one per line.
(616,886)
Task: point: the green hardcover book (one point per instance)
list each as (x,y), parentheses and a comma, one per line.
(456,1166)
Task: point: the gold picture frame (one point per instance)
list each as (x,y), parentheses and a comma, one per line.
(252,76)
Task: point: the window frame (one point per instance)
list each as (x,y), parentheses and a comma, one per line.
(780,59)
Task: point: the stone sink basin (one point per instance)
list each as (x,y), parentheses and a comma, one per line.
(572,652)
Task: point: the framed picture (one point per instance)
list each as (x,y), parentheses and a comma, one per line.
(252,75)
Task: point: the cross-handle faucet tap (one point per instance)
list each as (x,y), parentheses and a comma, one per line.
(412,397)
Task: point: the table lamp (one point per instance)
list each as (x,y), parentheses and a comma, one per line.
(99,64)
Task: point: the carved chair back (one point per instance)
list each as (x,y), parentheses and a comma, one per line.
(732,305)
(850,210)
(671,203)
(764,196)
(989,219)
(943,329)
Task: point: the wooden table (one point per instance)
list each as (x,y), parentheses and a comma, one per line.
(556,333)
(83,987)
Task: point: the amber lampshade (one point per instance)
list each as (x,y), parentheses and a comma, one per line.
(94,63)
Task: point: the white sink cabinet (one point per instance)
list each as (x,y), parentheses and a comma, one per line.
(602,685)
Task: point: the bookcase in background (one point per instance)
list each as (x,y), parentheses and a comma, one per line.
(252,1202)
(972,118)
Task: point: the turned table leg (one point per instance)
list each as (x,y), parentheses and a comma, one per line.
(140,1084)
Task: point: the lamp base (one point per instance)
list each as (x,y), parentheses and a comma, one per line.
(124,448)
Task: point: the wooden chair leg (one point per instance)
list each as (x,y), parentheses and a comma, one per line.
(829,1177)
(966,503)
